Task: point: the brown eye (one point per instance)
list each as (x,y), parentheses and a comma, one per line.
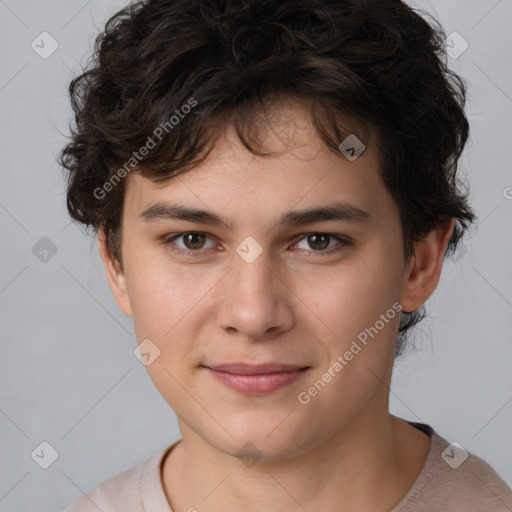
(193,241)
(188,244)
(322,243)
(318,241)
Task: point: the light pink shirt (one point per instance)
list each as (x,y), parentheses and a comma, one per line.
(471,485)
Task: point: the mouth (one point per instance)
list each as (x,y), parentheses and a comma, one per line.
(256,379)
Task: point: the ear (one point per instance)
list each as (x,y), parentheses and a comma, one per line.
(425,266)
(115,276)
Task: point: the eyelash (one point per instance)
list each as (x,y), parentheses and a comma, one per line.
(168,241)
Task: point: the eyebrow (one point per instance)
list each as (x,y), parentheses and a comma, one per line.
(340,212)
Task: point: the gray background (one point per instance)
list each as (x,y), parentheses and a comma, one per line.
(68,373)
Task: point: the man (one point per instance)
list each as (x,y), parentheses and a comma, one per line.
(273,186)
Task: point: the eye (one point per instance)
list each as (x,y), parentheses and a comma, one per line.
(192,241)
(321,241)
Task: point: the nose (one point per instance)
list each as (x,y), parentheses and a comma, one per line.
(256,301)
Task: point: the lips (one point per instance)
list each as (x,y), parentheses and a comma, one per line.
(256,379)
(255,369)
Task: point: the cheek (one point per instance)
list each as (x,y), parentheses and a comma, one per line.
(351,298)
(161,295)
(359,304)
(166,307)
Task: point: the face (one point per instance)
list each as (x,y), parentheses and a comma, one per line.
(259,310)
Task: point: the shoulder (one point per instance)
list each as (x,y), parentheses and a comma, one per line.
(123,491)
(454,479)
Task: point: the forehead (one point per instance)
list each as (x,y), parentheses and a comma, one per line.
(301,171)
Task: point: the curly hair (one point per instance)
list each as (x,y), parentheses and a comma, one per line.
(173,73)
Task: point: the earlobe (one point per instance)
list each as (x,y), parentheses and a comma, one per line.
(425,268)
(115,276)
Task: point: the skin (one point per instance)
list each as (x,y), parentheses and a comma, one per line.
(341,451)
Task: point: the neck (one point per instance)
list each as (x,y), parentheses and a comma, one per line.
(369,465)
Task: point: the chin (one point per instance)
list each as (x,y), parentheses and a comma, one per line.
(270,438)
